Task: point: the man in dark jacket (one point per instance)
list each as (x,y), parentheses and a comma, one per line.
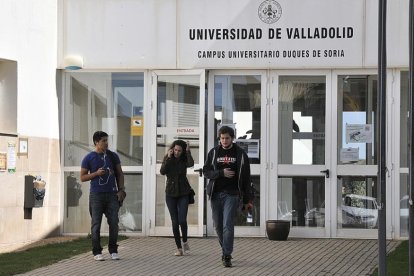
(228,169)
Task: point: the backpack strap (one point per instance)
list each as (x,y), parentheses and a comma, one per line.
(113,161)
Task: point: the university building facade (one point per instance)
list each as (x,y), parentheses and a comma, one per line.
(297,81)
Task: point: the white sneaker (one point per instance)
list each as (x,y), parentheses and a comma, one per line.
(186,247)
(179,252)
(99,257)
(115,256)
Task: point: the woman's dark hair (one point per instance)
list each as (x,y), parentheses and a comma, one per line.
(98,135)
(183,145)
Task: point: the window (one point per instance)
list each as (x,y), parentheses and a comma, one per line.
(111,102)
(301,200)
(237,101)
(8,97)
(357,110)
(114,103)
(302,120)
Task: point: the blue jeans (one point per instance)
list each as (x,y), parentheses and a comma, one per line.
(178,207)
(224,208)
(108,204)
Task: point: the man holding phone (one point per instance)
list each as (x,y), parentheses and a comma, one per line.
(107,191)
(228,169)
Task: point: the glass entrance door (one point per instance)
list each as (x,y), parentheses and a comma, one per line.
(303,171)
(326,159)
(356,156)
(238,99)
(178,101)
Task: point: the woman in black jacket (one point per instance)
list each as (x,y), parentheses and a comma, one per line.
(177,190)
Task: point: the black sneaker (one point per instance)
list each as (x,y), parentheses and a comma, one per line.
(226,261)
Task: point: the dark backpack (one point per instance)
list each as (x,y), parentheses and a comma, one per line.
(113,161)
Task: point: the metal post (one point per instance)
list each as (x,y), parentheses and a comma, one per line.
(411,87)
(382,74)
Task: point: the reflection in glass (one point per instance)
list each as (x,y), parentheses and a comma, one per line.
(130,214)
(161,210)
(178,113)
(237,100)
(128,89)
(404,204)
(301,200)
(77,218)
(241,219)
(302,120)
(79,110)
(404,120)
(357,202)
(73,190)
(99,105)
(111,102)
(405,156)
(162,216)
(357,109)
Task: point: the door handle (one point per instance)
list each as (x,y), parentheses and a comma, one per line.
(326,172)
(200,171)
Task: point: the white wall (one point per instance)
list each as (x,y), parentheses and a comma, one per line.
(28,31)
(397,33)
(28,36)
(121,34)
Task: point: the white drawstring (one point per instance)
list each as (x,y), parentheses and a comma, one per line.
(109,172)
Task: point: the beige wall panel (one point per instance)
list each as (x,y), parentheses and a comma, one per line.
(43,155)
(43,160)
(53,188)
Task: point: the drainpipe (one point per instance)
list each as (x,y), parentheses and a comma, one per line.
(382,76)
(411,85)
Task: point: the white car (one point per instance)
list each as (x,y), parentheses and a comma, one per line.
(404,215)
(358,211)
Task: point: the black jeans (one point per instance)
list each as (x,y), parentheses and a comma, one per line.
(108,204)
(178,207)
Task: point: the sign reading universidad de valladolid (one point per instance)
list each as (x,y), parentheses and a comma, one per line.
(269,33)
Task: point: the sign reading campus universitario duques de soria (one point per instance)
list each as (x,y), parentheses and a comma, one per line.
(287,33)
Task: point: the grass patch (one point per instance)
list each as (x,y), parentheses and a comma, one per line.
(30,259)
(397,261)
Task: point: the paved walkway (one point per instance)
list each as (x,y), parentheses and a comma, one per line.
(251,256)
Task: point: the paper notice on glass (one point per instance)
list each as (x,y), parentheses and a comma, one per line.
(358,133)
(349,155)
(3,161)
(250,146)
(11,157)
(137,126)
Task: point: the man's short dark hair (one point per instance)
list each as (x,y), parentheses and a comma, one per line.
(98,135)
(226,130)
